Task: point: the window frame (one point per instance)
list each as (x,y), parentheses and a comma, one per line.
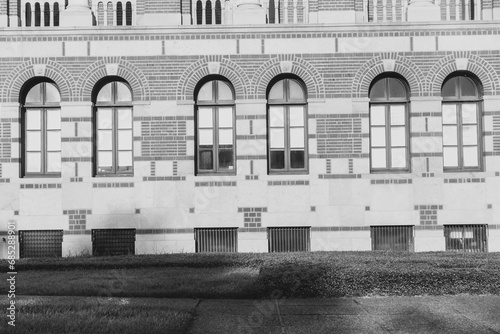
(286,103)
(43,107)
(459,101)
(214,104)
(387,102)
(114,106)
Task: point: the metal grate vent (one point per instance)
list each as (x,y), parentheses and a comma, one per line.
(392,238)
(45,243)
(216,240)
(466,238)
(289,239)
(113,242)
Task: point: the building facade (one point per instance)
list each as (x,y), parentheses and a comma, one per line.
(250,126)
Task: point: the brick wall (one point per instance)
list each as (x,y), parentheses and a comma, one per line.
(339,135)
(163,137)
(335,5)
(162,6)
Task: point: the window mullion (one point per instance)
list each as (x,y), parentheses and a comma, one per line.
(287,138)
(388,144)
(215,149)
(43,155)
(114,144)
(460,146)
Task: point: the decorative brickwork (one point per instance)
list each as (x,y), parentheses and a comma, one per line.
(113,185)
(496,133)
(479,66)
(216,184)
(392,181)
(126,70)
(339,135)
(14,81)
(159,6)
(252,217)
(77,218)
(200,69)
(288,183)
(300,67)
(428,213)
(465,180)
(5,138)
(163,137)
(375,66)
(40,186)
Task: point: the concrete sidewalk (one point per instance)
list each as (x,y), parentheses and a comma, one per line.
(430,314)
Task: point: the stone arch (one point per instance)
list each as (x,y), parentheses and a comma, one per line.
(113,66)
(208,66)
(37,67)
(463,61)
(387,63)
(288,64)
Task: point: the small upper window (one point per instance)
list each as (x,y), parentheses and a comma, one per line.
(215,119)
(287,127)
(113,129)
(42,130)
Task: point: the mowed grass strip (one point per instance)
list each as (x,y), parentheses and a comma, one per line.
(312,274)
(98,315)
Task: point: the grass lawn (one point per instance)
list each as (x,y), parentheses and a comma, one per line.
(278,275)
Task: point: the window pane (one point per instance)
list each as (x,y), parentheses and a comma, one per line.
(469,133)
(53,119)
(104,118)
(467,87)
(205,119)
(104,140)
(378,158)
(206,137)
(105,159)
(448,89)
(398,115)
(33,140)
(277,159)
(449,135)
(33,162)
(449,114)
(53,140)
(124,118)
(296,116)
(206,159)
(377,136)
(225,92)
(125,139)
(377,115)
(469,115)
(53,162)
(125,159)
(123,93)
(226,137)
(297,138)
(297,159)
(276,92)
(296,91)
(277,138)
(398,157)
(51,93)
(276,116)
(450,157)
(225,117)
(205,93)
(378,90)
(33,119)
(471,156)
(226,159)
(398,136)
(104,94)
(34,95)
(396,88)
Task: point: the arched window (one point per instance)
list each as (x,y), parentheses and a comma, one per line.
(389,130)
(109,18)
(461,110)
(37,14)
(287,127)
(46,15)
(119,14)
(56,14)
(199,12)
(128,13)
(215,124)
(208,12)
(113,128)
(100,14)
(28,14)
(41,121)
